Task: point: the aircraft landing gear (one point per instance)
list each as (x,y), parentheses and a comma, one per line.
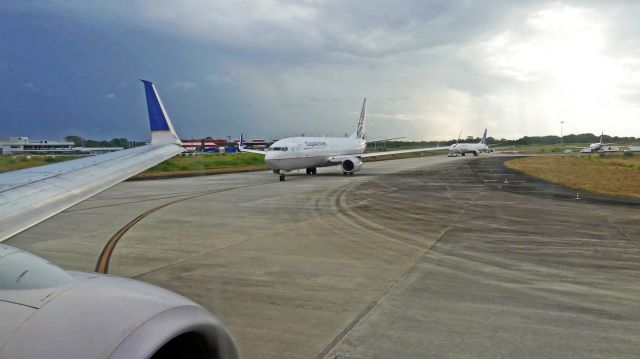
(345,173)
(462,154)
(282,179)
(475,153)
(312,171)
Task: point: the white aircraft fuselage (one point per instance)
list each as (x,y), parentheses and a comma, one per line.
(308,152)
(595,147)
(462,148)
(294,153)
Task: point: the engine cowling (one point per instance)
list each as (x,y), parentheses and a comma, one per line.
(51,313)
(351,165)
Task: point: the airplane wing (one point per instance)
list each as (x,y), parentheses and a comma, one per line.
(241,147)
(384,139)
(397,152)
(31,195)
(252,151)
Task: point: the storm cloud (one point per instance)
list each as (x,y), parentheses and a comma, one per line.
(276,68)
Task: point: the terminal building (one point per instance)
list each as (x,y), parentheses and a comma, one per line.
(218,144)
(203,145)
(24,146)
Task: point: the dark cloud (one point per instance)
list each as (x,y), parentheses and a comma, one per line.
(275,67)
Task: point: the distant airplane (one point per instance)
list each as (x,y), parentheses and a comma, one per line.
(47,312)
(294,153)
(594,147)
(475,148)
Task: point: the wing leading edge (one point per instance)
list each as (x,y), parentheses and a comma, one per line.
(397,152)
(30,196)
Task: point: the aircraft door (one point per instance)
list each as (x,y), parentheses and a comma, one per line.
(299,151)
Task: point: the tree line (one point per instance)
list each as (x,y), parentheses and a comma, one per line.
(115,142)
(581,138)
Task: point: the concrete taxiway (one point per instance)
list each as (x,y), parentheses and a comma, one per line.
(424,257)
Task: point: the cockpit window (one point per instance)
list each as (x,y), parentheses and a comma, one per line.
(22,270)
(284,149)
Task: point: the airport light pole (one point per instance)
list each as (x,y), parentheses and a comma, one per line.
(561,137)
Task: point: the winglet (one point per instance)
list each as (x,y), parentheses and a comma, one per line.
(162,131)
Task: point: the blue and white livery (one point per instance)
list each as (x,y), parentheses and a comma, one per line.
(474,148)
(294,153)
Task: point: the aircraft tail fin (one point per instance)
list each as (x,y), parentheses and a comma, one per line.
(484,137)
(360,134)
(162,131)
(241,144)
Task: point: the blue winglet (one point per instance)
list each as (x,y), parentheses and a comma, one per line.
(157,118)
(161,129)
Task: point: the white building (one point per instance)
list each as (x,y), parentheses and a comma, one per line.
(22,145)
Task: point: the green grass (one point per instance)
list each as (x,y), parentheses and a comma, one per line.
(612,174)
(208,161)
(551,148)
(12,163)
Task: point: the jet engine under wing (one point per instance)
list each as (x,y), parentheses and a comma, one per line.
(397,152)
(30,196)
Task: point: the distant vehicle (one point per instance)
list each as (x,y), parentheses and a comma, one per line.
(475,148)
(294,153)
(567,152)
(585,150)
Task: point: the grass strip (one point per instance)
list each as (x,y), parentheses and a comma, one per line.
(611,174)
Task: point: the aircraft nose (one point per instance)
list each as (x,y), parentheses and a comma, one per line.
(270,161)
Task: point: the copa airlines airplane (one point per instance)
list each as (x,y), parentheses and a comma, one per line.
(594,147)
(295,153)
(47,312)
(475,148)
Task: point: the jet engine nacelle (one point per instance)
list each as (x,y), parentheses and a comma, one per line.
(51,313)
(351,165)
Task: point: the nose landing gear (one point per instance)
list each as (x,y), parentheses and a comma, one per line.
(282,178)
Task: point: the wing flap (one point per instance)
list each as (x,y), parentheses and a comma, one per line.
(252,151)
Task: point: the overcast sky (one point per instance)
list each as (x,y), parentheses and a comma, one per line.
(276,68)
